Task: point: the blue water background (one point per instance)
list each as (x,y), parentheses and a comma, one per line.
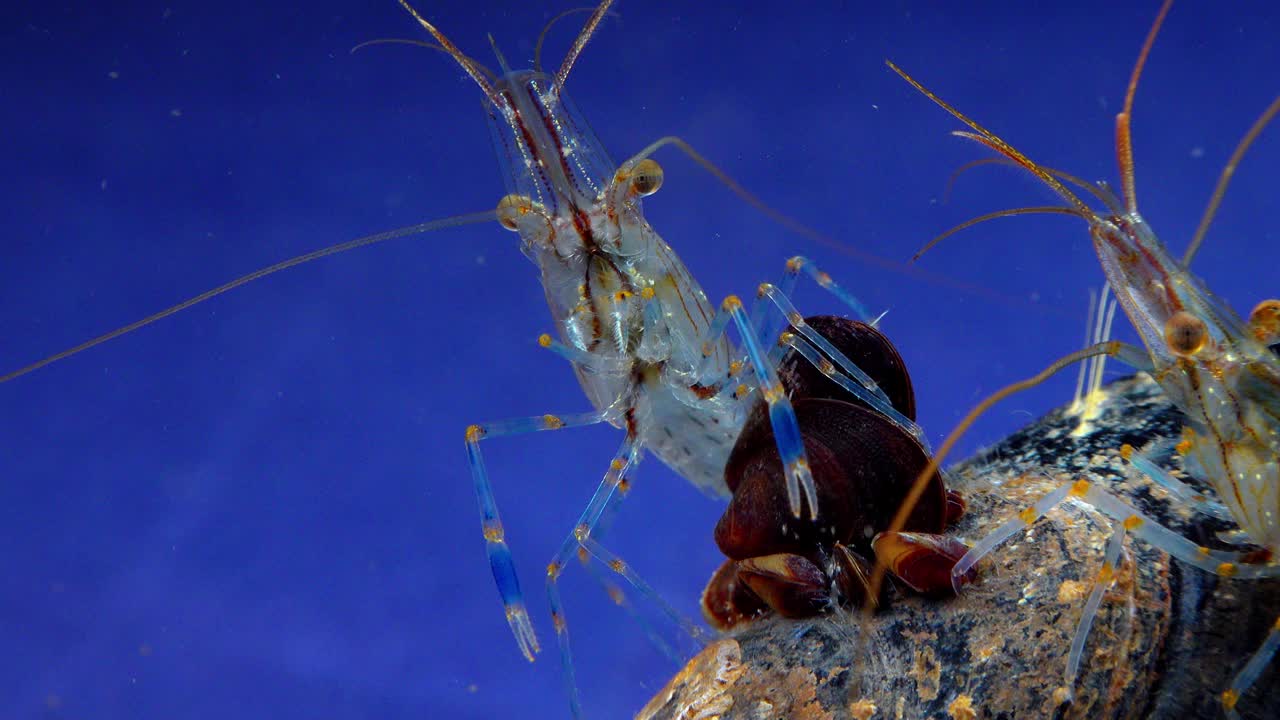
(261,507)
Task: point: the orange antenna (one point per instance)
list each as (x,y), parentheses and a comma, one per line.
(1124,139)
(993,141)
(581,42)
(467,63)
(1106,198)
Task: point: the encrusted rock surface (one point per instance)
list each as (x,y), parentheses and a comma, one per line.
(1166,641)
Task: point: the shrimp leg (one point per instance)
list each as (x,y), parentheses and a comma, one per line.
(782,416)
(1130,521)
(1183,492)
(500,559)
(584,536)
(615,591)
(1251,670)
(837,373)
(787,286)
(1106,576)
(865,390)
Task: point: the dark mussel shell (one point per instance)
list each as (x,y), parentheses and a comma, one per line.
(862,464)
(923,561)
(728,600)
(868,348)
(864,345)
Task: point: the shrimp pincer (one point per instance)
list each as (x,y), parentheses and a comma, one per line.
(1214,366)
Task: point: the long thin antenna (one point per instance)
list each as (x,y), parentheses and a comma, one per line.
(1124,139)
(1105,198)
(993,141)
(250,277)
(1011,212)
(542,36)
(1225,178)
(430,46)
(466,62)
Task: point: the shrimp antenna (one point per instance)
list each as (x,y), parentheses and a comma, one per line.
(580,42)
(1011,212)
(250,277)
(1106,198)
(955,174)
(993,141)
(1124,139)
(1225,178)
(430,46)
(469,65)
(542,36)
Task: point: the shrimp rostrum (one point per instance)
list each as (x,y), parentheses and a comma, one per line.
(1215,367)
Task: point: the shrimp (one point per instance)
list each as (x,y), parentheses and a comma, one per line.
(651,353)
(1213,365)
(649,350)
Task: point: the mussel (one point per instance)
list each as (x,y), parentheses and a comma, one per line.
(863,465)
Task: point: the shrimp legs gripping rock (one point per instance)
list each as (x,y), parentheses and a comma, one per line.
(1214,366)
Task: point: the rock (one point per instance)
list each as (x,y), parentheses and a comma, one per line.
(1166,641)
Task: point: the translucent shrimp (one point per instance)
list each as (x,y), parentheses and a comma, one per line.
(1214,366)
(650,351)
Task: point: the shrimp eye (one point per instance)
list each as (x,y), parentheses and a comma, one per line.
(646,178)
(511,208)
(1265,321)
(1185,334)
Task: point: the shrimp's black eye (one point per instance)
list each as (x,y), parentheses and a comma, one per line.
(1185,334)
(511,208)
(646,178)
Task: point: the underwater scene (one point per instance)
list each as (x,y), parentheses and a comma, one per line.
(263,505)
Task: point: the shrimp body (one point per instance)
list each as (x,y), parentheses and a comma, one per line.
(601,264)
(651,354)
(648,349)
(1214,367)
(1209,363)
